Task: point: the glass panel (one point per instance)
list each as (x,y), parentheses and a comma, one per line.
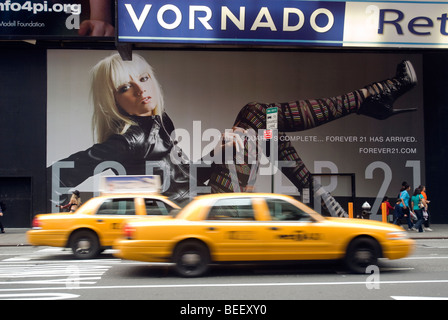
(157,207)
(284,211)
(117,207)
(232,209)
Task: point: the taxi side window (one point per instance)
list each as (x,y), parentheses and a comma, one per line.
(157,208)
(239,209)
(281,210)
(117,207)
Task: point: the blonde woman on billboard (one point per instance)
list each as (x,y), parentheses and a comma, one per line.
(133,131)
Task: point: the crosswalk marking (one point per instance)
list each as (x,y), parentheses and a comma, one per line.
(33,271)
(51,274)
(40,268)
(37,255)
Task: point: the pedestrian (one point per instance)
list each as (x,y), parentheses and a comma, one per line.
(404,185)
(388,208)
(398,212)
(74,203)
(426,213)
(2,210)
(405,205)
(418,203)
(400,205)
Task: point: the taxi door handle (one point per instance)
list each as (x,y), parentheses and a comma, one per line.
(100,220)
(211,229)
(273,228)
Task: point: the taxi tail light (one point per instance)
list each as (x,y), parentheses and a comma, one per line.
(128,231)
(37,224)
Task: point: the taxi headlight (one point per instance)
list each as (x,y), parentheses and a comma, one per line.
(397,235)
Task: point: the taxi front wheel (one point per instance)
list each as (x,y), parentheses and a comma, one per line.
(85,244)
(361,253)
(191,259)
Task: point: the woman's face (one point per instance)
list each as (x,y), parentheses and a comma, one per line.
(138,96)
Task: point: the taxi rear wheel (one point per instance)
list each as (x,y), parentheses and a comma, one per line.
(361,253)
(85,244)
(191,259)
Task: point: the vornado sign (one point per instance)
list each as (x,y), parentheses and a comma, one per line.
(285,22)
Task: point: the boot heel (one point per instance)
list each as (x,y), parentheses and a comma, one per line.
(379,104)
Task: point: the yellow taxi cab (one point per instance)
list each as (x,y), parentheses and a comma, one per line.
(97,223)
(258,227)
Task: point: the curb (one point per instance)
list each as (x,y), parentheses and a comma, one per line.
(429,238)
(16,245)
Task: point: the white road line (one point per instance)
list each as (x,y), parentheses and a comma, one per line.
(38,296)
(417,298)
(51,273)
(425,258)
(217,285)
(65,280)
(37,254)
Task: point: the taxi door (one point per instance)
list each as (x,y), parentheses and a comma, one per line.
(110,216)
(233,230)
(294,234)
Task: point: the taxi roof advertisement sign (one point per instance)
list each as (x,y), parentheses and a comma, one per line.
(403,24)
(130,184)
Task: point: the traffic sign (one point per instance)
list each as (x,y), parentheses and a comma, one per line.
(272,118)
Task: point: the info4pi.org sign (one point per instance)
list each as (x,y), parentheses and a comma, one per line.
(285,22)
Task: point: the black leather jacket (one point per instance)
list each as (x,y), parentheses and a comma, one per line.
(149,140)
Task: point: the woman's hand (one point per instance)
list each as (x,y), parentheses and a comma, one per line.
(96,28)
(232,138)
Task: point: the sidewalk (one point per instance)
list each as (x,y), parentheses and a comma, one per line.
(440,232)
(17,237)
(13,237)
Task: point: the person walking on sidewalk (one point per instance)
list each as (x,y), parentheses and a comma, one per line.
(389,207)
(2,209)
(418,204)
(426,214)
(405,205)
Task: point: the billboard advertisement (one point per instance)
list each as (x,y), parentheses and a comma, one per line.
(206,121)
(56,19)
(403,24)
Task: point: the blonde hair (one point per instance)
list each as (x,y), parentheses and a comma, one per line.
(106,77)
